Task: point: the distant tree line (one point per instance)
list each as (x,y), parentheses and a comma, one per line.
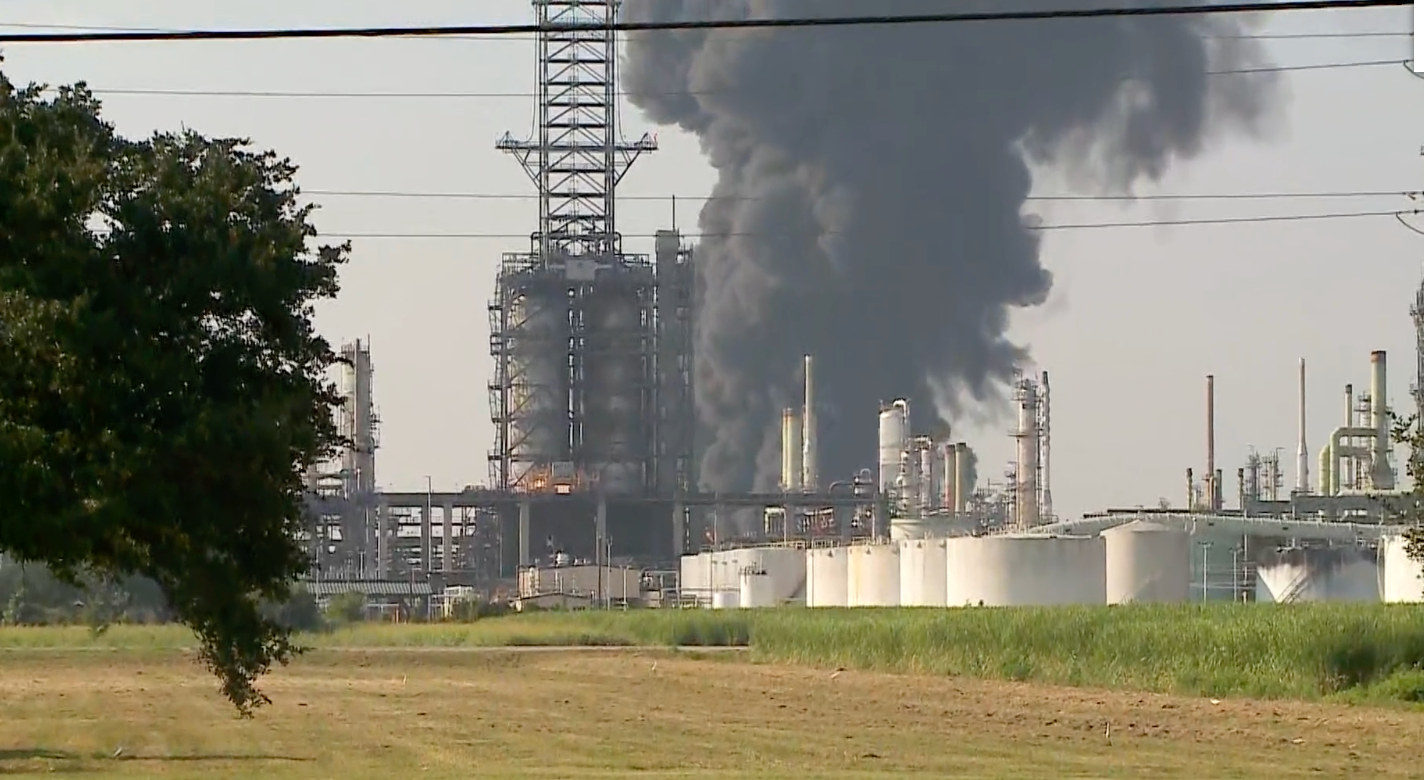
(31,595)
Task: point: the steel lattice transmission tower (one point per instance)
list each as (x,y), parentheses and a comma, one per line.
(575,396)
(577,156)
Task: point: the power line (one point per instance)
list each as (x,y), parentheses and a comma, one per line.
(529,95)
(737,24)
(1193,196)
(1237,37)
(1397,214)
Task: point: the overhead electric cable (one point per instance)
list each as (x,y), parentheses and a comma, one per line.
(1201,196)
(120,36)
(1232,37)
(527,95)
(1396,214)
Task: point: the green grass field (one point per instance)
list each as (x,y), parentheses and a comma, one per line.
(1355,652)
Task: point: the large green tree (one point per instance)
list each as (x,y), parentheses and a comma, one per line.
(162,388)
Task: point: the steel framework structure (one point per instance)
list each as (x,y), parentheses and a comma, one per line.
(572,325)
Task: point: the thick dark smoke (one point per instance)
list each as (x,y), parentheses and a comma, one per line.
(872,182)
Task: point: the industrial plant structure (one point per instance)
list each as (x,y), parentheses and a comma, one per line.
(594,461)
(592,395)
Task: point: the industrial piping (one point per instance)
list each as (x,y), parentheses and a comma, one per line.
(1377,434)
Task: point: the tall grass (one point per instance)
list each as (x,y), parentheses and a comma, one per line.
(1298,651)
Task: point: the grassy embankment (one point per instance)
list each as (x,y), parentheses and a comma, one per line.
(1358,652)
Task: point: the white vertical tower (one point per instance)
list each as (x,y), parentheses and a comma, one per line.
(358,423)
(790,451)
(1026,512)
(1302,458)
(894,439)
(810,480)
(1045,451)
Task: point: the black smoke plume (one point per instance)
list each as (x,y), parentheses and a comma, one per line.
(871,184)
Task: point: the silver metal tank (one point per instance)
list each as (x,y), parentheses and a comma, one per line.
(923,573)
(827,577)
(894,439)
(758,591)
(1026,570)
(1148,563)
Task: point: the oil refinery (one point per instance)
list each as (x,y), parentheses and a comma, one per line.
(591,493)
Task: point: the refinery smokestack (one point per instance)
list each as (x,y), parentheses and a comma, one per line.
(1302,459)
(810,480)
(790,451)
(1383,477)
(1211,487)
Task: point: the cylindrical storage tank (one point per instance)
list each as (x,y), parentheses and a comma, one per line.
(757,590)
(1291,575)
(923,573)
(695,578)
(1025,570)
(874,575)
(1401,578)
(894,438)
(963,483)
(1148,563)
(790,450)
(827,575)
(726,599)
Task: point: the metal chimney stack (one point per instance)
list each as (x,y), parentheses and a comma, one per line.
(1212,491)
(1302,458)
(1382,477)
(810,480)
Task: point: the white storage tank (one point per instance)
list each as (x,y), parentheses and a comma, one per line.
(695,577)
(757,591)
(1026,570)
(827,577)
(1401,579)
(784,566)
(1148,563)
(726,599)
(923,572)
(873,575)
(1290,575)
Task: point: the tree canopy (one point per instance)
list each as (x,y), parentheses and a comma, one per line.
(162,387)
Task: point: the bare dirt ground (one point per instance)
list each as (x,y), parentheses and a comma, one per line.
(390,714)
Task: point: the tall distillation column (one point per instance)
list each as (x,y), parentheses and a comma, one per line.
(357,424)
(894,439)
(1045,426)
(1382,476)
(1026,509)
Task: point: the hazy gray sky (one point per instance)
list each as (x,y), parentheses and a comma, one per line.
(1137,319)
